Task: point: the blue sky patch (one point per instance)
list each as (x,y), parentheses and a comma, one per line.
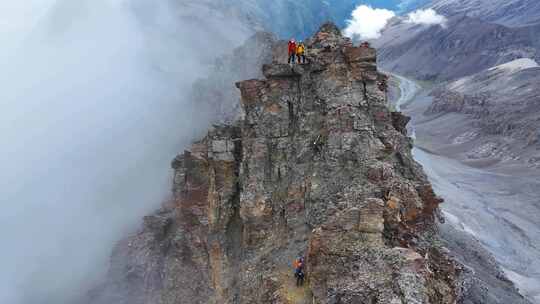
(400,6)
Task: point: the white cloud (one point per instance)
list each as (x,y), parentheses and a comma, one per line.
(95,101)
(426,17)
(367,22)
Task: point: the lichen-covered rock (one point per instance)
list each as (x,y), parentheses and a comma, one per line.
(318,166)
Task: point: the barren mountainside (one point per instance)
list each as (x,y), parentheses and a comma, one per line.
(498,122)
(512,13)
(474,101)
(464,46)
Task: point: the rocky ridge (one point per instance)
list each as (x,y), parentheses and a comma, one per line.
(316,166)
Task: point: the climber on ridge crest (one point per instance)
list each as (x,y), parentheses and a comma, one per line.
(301,52)
(292,51)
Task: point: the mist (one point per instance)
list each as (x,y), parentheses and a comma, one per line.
(93,108)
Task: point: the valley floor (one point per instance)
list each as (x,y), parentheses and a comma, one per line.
(501,210)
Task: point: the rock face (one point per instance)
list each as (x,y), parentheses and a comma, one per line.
(318,166)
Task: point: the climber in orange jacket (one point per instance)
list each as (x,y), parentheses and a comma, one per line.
(298,263)
(292,51)
(299,271)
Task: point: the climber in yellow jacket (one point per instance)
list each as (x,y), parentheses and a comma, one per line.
(301,52)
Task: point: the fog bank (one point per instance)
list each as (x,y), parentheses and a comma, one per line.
(93,108)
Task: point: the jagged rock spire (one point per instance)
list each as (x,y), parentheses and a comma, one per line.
(328,37)
(330,28)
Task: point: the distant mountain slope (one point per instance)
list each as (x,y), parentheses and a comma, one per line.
(465,46)
(502,113)
(512,13)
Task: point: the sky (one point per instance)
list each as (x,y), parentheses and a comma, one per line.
(399,6)
(389,4)
(19,17)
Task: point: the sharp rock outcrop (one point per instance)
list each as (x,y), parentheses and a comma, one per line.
(318,166)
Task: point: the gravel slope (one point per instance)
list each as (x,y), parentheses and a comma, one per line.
(500,211)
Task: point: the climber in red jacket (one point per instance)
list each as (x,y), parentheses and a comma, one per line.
(292,51)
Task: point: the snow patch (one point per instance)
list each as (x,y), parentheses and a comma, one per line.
(452,218)
(459,224)
(459,84)
(469,230)
(528,286)
(465,137)
(516,65)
